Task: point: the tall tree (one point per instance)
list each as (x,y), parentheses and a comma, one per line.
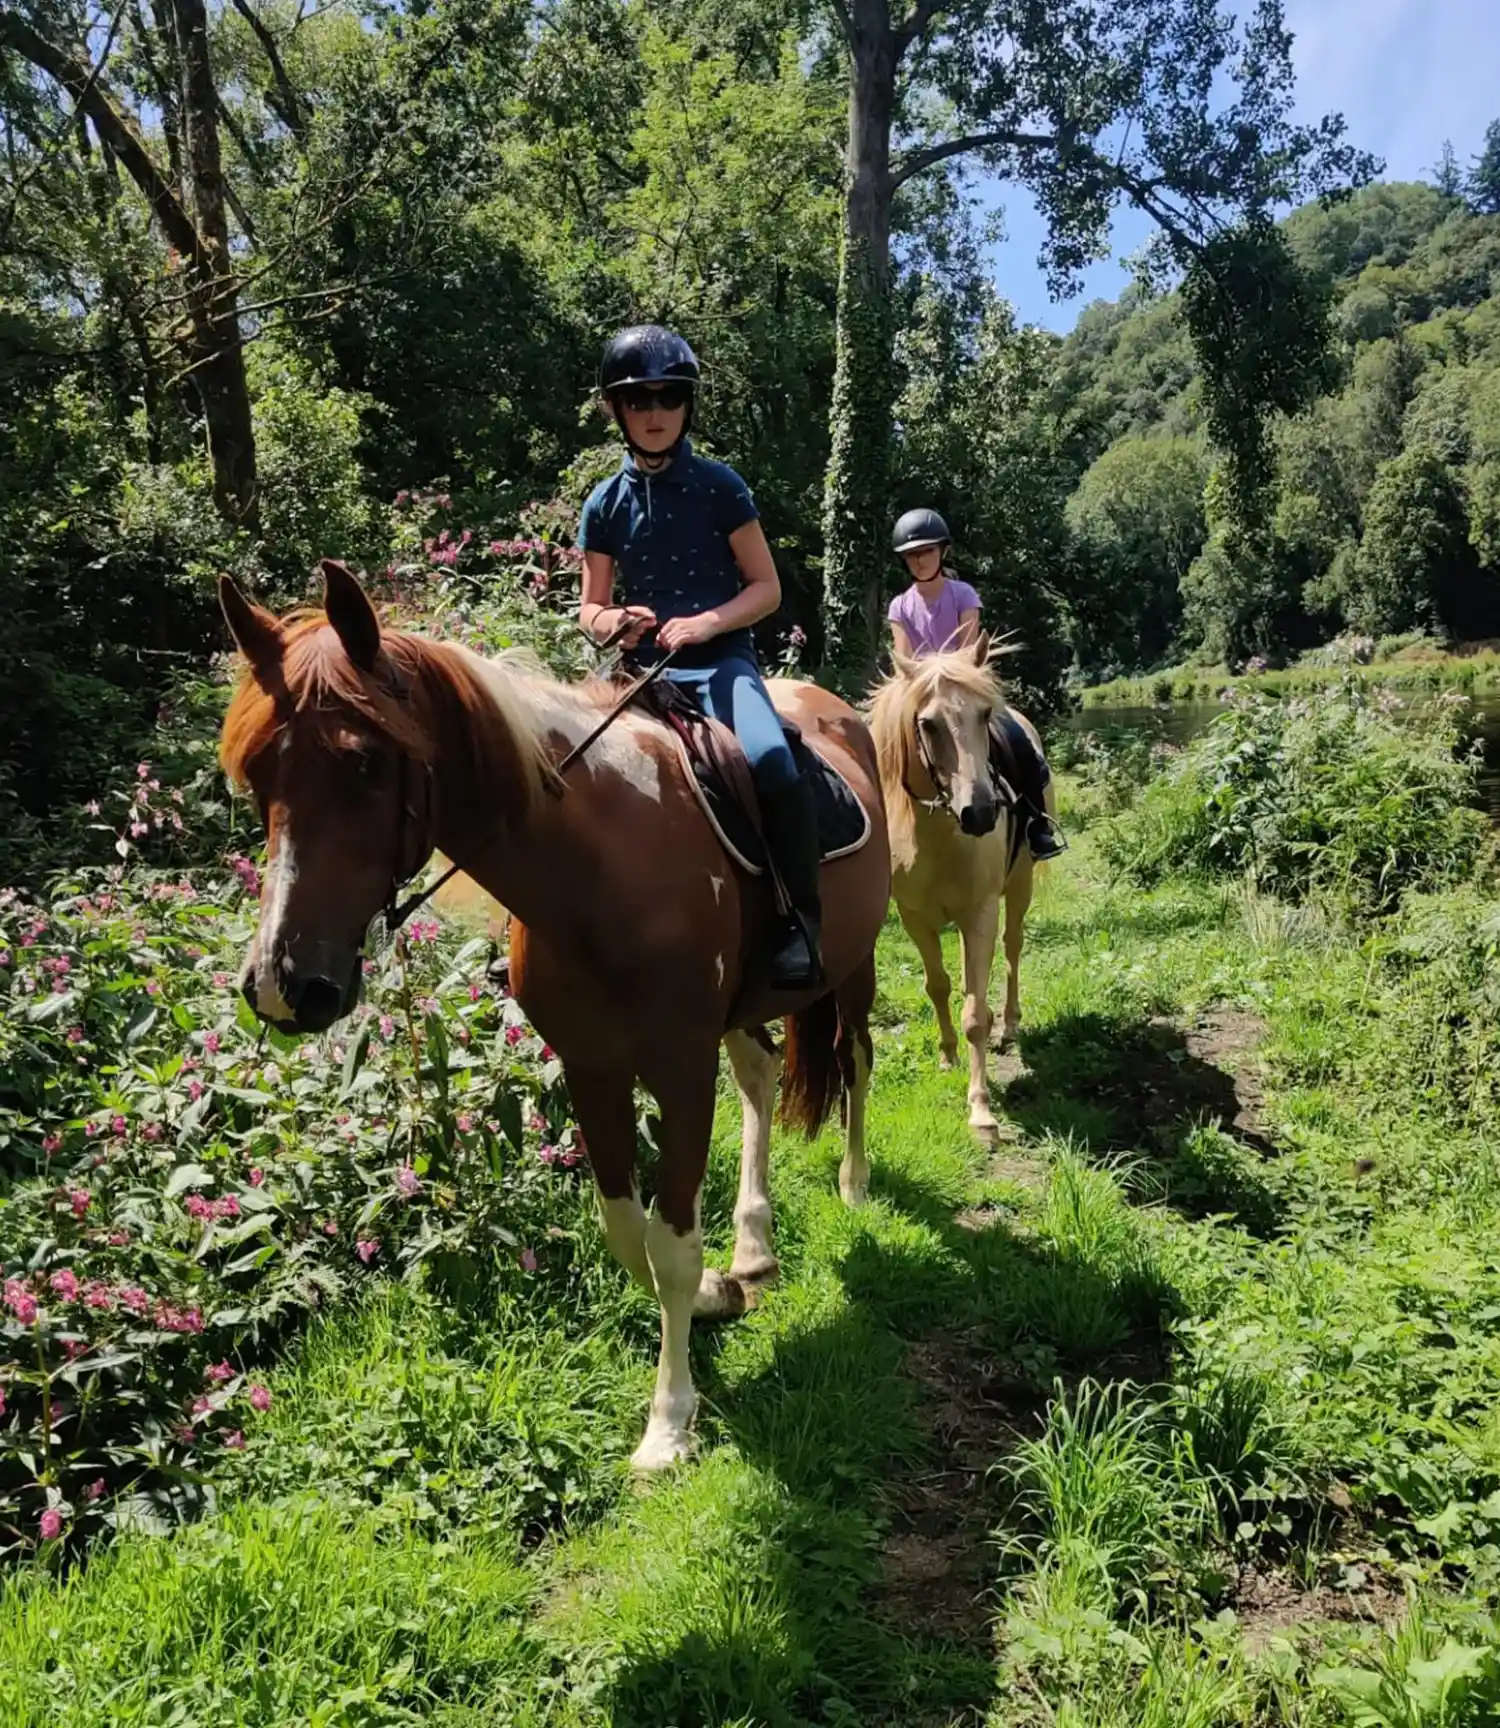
(1085,107)
(197,229)
(1484,180)
(1447,176)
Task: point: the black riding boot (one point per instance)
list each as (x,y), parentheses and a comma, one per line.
(1012,752)
(790,820)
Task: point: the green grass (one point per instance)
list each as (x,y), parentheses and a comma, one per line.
(1126,1381)
(1429,669)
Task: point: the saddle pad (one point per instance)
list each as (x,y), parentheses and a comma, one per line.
(843,822)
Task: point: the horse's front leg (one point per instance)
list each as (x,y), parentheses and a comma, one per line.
(604,1100)
(856,999)
(1018,886)
(684,1091)
(927,939)
(757,1067)
(978,934)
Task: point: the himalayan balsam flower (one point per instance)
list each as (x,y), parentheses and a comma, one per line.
(195,1090)
(387,1026)
(135,1299)
(219,1372)
(80,1200)
(203,1405)
(211,1043)
(152,1131)
(118,1125)
(513,1035)
(52,1143)
(367,1250)
(548,1053)
(465,1124)
(97,1296)
(528,1260)
(234,1440)
(407,1181)
(95,1489)
(51,1524)
(75,1034)
(330,1226)
(260,1398)
(257,1176)
(20,1301)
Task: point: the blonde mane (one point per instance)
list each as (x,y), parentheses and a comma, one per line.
(893,709)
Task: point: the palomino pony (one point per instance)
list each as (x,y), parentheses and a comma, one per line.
(954,849)
(632,939)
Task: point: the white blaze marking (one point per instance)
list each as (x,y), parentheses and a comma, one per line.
(281,874)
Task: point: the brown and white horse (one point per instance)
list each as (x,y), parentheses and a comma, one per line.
(953,842)
(631,935)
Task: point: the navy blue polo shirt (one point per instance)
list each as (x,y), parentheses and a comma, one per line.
(668,533)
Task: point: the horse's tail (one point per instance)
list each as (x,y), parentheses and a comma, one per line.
(812,1076)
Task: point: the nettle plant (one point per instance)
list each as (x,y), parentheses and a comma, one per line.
(179,1186)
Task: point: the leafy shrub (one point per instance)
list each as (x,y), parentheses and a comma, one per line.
(1336,794)
(178,1185)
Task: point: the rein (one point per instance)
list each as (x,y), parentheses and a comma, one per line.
(396,914)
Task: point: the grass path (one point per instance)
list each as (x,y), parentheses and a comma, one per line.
(436,1522)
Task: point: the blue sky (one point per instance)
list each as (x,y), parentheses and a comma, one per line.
(1405,74)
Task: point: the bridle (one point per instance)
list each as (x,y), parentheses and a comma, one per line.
(943,797)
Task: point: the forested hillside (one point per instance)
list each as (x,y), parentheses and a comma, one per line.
(1387,503)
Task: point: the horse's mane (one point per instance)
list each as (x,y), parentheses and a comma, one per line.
(424,697)
(893,710)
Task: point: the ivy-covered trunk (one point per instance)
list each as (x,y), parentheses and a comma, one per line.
(856,498)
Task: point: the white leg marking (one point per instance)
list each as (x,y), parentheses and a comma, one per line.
(625,1231)
(979,953)
(281,874)
(756,1071)
(854,1172)
(677,1265)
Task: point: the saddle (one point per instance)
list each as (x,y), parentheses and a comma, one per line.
(719,774)
(1010,747)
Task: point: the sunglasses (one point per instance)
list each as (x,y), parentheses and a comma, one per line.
(639,397)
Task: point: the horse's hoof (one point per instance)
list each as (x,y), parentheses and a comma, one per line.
(855,1193)
(755,1276)
(720,1297)
(987,1132)
(661,1449)
(945,1062)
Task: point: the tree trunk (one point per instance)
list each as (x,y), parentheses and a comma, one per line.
(856,501)
(218,356)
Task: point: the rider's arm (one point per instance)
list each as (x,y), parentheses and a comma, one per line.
(598,613)
(758,599)
(968,628)
(900,641)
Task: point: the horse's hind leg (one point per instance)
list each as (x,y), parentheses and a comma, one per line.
(978,935)
(1018,886)
(757,1067)
(928,942)
(856,1000)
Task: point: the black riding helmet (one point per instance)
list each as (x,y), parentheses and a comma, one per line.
(919,528)
(648,354)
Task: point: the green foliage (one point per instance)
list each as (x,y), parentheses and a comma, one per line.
(1333,794)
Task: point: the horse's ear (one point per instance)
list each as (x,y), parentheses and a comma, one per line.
(256,633)
(350,613)
(982,649)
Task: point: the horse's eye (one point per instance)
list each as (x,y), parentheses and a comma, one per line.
(369,768)
(929,725)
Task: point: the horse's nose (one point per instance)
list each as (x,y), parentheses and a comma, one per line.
(316,1002)
(979,817)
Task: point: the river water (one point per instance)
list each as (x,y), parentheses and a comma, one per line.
(1180,721)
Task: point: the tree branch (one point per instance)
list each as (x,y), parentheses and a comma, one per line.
(845,23)
(916,21)
(917,160)
(287,103)
(115,128)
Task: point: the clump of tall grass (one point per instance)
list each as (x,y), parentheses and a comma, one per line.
(1341,795)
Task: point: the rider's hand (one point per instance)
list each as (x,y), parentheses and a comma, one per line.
(688,632)
(633,622)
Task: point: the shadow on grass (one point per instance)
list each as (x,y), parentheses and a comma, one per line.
(1147,1087)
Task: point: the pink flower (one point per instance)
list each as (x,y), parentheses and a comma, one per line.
(20,1301)
(513,1035)
(221,980)
(234,1440)
(330,1226)
(219,1372)
(190,1320)
(465,1124)
(195,1090)
(548,1053)
(260,1398)
(176,822)
(197,1207)
(203,1405)
(152,1131)
(2,1400)
(90,1129)
(387,1026)
(118,1238)
(80,1200)
(228,1207)
(52,1143)
(95,1490)
(134,1298)
(117,1125)
(92,806)
(367,1250)
(137,829)
(548,1154)
(211,1043)
(475,992)
(59,986)
(51,1524)
(75,1034)
(257,1176)
(97,1295)
(528,1260)
(407,1181)
(143,770)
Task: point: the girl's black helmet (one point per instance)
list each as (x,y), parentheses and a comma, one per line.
(646,354)
(919,528)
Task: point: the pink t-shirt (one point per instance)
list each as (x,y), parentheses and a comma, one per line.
(932,629)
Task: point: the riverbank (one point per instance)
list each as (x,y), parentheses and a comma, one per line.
(1176,1407)
(1416,669)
